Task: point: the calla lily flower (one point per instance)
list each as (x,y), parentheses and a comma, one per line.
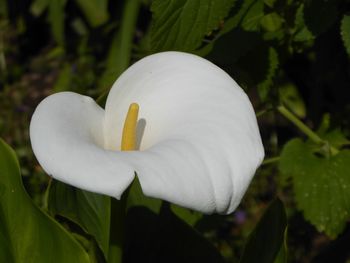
(196,143)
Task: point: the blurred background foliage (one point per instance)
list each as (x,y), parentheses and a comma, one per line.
(290,56)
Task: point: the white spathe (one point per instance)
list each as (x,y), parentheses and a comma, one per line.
(199,143)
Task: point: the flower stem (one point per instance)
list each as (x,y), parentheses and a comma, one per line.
(119,55)
(305,129)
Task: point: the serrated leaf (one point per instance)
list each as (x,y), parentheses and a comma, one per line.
(89,210)
(251,20)
(345,32)
(265,85)
(29,235)
(96,11)
(320,15)
(301,32)
(182,24)
(266,239)
(321,185)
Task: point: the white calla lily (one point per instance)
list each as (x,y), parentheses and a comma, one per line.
(198,140)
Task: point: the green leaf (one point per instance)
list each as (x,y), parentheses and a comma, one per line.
(96,11)
(321,185)
(189,216)
(271,22)
(320,15)
(252,18)
(290,96)
(182,24)
(265,241)
(345,32)
(56,18)
(301,32)
(265,85)
(89,210)
(137,198)
(26,233)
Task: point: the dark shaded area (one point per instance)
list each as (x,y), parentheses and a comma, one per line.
(164,238)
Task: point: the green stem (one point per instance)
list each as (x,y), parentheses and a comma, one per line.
(119,54)
(271,160)
(305,129)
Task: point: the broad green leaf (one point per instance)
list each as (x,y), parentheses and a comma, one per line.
(301,32)
(243,11)
(265,85)
(321,185)
(96,11)
(345,32)
(26,233)
(271,22)
(56,19)
(182,24)
(89,210)
(320,15)
(265,241)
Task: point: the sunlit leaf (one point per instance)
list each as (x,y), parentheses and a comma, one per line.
(26,233)
(182,24)
(89,210)
(345,32)
(266,240)
(321,185)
